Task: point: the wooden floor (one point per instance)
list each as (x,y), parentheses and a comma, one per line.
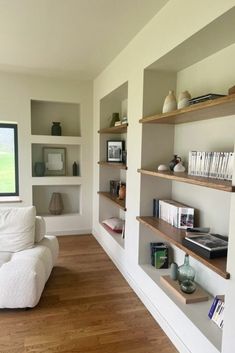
(86,307)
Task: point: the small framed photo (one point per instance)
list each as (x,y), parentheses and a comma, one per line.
(55,161)
(114,151)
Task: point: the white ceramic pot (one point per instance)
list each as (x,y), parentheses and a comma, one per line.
(162,167)
(183,99)
(179,168)
(169,103)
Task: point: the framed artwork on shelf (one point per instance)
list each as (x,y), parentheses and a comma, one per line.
(114,151)
(55,161)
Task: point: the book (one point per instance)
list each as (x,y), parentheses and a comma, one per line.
(214,304)
(207,241)
(159,255)
(205,97)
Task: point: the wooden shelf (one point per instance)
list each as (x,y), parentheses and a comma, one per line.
(174,236)
(114,199)
(113,165)
(114,130)
(116,236)
(210,109)
(223,185)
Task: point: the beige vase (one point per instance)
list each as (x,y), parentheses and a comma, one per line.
(169,103)
(56,204)
(183,99)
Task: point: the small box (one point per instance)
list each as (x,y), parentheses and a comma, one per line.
(159,255)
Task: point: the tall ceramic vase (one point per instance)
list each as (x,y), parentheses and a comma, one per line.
(170,103)
(56,204)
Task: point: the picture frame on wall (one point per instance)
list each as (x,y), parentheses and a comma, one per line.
(55,161)
(114,151)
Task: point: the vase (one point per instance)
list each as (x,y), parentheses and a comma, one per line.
(39,169)
(114,119)
(183,99)
(170,103)
(122,192)
(174,161)
(179,168)
(188,286)
(56,128)
(56,204)
(185,271)
(75,169)
(174,271)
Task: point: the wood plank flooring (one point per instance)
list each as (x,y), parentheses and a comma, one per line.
(86,307)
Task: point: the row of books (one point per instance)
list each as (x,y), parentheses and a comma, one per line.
(216,312)
(175,213)
(218,165)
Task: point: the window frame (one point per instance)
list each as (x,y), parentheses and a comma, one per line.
(14,127)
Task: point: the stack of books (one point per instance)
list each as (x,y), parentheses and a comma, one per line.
(207,245)
(216,312)
(176,214)
(205,97)
(218,165)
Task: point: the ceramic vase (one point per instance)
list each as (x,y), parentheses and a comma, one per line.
(179,168)
(183,99)
(174,271)
(122,192)
(174,161)
(114,119)
(39,169)
(56,204)
(170,103)
(56,128)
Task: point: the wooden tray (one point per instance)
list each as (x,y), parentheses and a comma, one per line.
(198,296)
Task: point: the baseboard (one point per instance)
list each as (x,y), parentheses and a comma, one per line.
(70,232)
(145,299)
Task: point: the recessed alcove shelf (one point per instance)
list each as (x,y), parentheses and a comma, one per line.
(43,113)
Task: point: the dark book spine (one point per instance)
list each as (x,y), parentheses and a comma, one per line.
(156,208)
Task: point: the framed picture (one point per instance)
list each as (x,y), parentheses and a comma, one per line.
(114,151)
(55,160)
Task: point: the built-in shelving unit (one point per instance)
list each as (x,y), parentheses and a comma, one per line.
(174,236)
(43,114)
(223,185)
(109,204)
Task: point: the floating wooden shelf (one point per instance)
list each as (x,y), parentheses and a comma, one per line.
(198,296)
(114,199)
(210,109)
(112,165)
(174,235)
(223,185)
(121,129)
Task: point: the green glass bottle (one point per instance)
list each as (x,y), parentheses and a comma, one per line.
(185,271)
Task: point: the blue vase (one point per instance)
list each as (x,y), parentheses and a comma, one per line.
(39,169)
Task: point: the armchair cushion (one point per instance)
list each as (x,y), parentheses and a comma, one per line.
(17,228)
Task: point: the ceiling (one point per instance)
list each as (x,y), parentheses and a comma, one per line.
(68,38)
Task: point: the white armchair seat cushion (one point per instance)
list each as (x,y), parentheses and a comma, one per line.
(23,274)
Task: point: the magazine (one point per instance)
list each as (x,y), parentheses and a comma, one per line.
(207,241)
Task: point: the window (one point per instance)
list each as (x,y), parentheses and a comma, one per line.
(9,185)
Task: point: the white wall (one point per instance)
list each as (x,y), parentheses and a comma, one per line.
(176,22)
(16,91)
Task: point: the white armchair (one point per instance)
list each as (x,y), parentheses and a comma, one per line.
(27,257)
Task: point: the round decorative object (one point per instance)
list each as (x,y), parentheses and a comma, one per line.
(170,103)
(188,286)
(56,204)
(174,161)
(56,128)
(39,168)
(183,100)
(179,168)
(185,271)
(162,167)
(174,271)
